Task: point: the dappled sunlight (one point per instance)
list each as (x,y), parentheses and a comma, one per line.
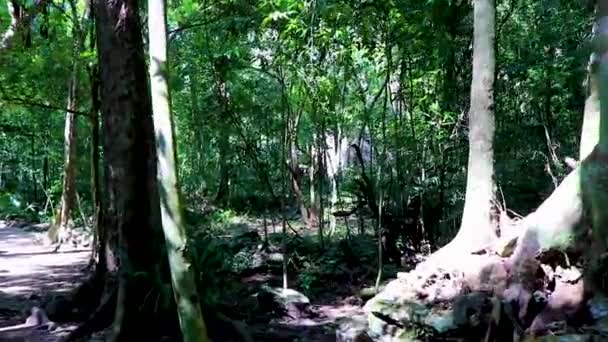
(28,268)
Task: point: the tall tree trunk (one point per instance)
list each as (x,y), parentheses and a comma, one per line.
(321,147)
(224,138)
(99,244)
(594,173)
(591,116)
(478,224)
(45,173)
(59,232)
(33,167)
(21,19)
(311,172)
(332,166)
(182,275)
(224,171)
(195,113)
(131,207)
(309,214)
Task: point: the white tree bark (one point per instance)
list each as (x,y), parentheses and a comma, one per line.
(182,276)
(478,226)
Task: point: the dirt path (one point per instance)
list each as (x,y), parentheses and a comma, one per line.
(29,273)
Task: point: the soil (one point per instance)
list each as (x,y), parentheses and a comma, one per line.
(30,274)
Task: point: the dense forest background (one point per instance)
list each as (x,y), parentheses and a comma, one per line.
(392,78)
(332,135)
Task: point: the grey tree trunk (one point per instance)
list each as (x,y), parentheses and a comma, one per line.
(478,225)
(58,234)
(332,167)
(182,276)
(224,138)
(594,169)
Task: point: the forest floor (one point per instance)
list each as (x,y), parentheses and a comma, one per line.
(31,274)
(332,300)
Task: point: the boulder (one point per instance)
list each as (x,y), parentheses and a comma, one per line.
(396,314)
(352,329)
(244,240)
(283,302)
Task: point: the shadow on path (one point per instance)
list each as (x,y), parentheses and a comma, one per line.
(31,272)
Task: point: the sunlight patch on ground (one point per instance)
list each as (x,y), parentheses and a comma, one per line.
(29,268)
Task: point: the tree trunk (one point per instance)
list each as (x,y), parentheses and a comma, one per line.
(591,116)
(45,173)
(195,114)
(99,244)
(182,276)
(311,173)
(58,233)
(478,225)
(321,147)
(560,220)
(131,207)
(332,164)
(21,19)
(224,175)
(594,169)
(310,214)
(224,138)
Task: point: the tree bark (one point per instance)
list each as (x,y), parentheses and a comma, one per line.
(594,169)
(478,225)
(58,233)
(224,138)
(332,164)
(309,214)
(131,207)
(182,276)
(99,245)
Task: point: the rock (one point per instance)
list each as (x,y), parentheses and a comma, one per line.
(249,262)
(389,312)
(244,240)
(352,329)
(37,318)
(561,338)
(598,307)
(283,302)
(486,274)
(441,321)
(564,304)
(470,309)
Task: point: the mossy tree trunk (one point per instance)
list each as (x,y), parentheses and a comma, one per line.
(182,276)
(594,169)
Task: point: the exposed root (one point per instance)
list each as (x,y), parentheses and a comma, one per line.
(99,320)
(239,327)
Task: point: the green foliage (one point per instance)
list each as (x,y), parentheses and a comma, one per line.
(391,76)
(340,262)
(211,262)
(14,206)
